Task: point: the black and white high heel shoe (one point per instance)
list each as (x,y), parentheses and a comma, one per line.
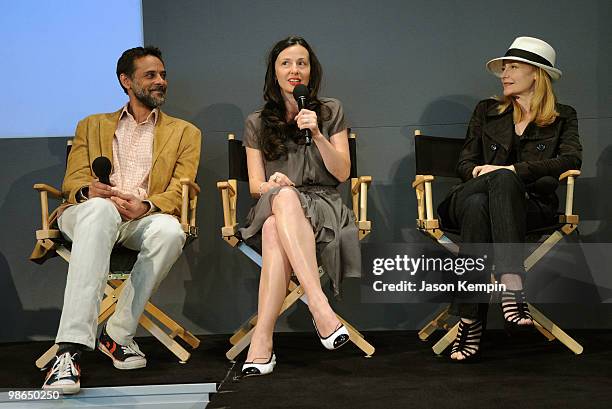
(254,369)
(337,338)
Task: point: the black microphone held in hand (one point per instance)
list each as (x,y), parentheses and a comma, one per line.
(300,93)
(102,168)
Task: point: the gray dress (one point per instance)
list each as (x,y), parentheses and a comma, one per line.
(333,223)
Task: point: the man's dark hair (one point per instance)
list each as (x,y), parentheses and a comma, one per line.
(125,65)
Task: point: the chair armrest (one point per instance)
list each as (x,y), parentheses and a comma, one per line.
(226,184)
(194,189)
(229,197)
(359,193)
(45,191)
(189,204)
(420,179)
(424,192)
(568,217)
(41,187)
(572,172)
(355,187)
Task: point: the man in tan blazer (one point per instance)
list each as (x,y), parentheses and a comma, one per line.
(150,152)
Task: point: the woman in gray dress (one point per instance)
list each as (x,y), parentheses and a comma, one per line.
(300,215)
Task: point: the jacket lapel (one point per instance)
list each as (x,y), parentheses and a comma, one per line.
(108,126)
(163,133)
(499,127)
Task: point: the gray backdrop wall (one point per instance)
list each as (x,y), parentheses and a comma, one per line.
(397,66)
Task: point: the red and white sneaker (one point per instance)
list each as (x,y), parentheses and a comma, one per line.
(65,374)
(123,356)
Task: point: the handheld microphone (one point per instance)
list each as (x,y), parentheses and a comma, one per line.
(300,93)
(102,168)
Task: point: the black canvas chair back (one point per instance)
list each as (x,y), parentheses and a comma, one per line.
(437,155)
(237,161)
(353,155)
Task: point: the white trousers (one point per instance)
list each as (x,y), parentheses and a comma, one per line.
(94,227)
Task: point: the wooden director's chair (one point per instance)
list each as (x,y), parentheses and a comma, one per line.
(438,156)
(121,263)
(229,194)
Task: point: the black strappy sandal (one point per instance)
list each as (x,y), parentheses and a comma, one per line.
(514,307)
(468,341)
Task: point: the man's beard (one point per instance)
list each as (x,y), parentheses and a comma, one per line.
(147,97)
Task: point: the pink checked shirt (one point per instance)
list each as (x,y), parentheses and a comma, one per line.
(133,153)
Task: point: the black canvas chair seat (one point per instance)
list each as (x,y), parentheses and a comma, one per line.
(122,259)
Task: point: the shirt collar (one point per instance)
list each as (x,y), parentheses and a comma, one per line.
(152,117)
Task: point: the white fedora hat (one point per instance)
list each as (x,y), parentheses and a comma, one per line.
(529,50)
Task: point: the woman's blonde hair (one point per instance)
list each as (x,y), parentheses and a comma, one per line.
(543,102)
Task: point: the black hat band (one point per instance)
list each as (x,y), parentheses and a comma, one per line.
(527,55)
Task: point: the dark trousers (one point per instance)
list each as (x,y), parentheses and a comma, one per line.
(493,213)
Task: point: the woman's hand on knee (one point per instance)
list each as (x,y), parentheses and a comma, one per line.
(280,179)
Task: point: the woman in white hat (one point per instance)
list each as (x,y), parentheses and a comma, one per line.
(516,147)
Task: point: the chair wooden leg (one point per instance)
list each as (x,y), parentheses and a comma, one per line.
(439,322)
(446,340)
(240,345)
(357,338)
(105,314)
(244,328)
(107,306)
(173,326)
(557,332)
(154,329)
(174,347)
(113,291)
(243,337)
(252,321)
(542,249)
(45,358)
(243,342)
(543,331)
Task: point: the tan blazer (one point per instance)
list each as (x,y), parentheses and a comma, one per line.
(176,155)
